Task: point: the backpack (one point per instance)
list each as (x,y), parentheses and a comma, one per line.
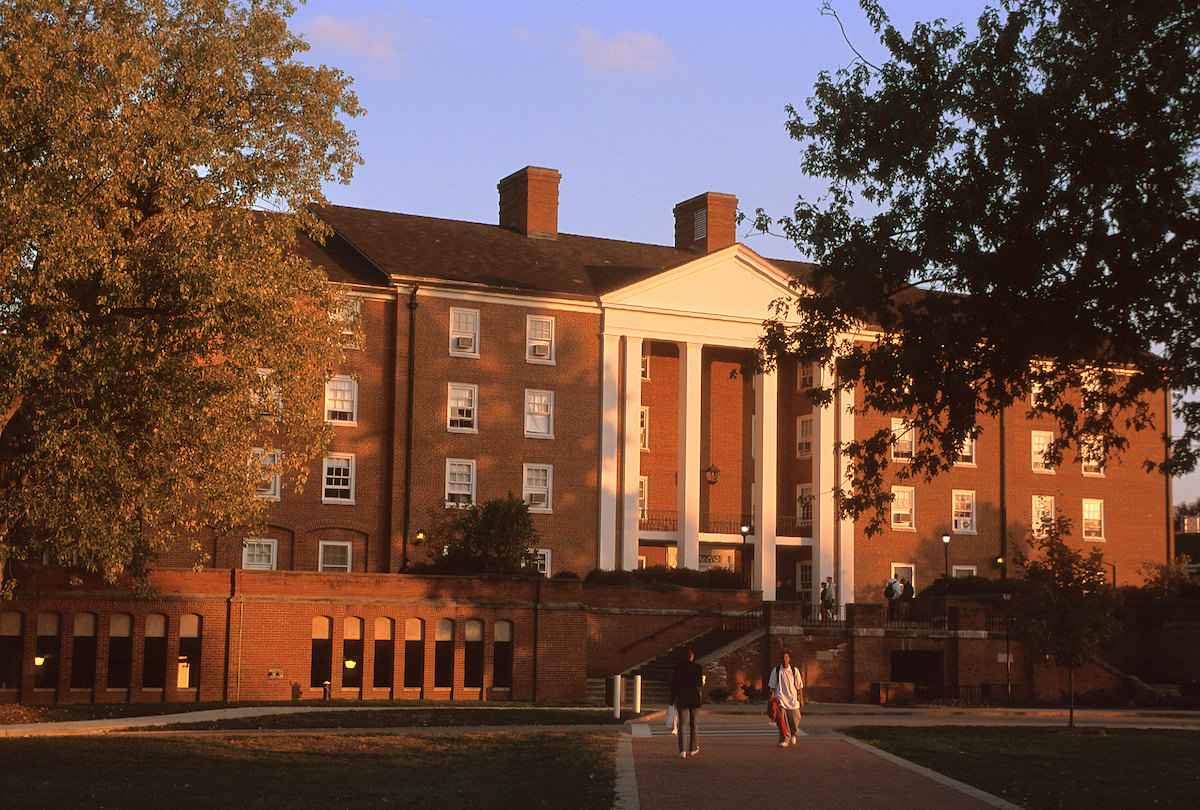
(887,591)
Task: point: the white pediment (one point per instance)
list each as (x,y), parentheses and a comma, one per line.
(724,296)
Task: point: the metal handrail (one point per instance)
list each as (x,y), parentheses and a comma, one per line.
(687,618)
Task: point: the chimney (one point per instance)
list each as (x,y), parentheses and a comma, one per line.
(529,202)
(707,223)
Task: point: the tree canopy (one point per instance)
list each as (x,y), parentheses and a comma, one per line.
(157,158)
(1008,214)
(494,537)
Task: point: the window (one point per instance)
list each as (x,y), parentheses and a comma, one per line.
(1093,519)
(646,360)
(339,479)
(538,491)
(502,655)
(805,379)
(1040,445)
(268,487)
(539,414)
(902,507)
(385,653)
(1041,514)
(539,339)
(12,629)
(966,453)
(643,497)
(964,511)
(1091,450)
(904,571)
(443,654)
(83,652)
(460,481)
(352,652)
(341,401)
(335,556)
(460,408)
(347,317)
(414,653)
(902,440)
(258,554)
(321,671)
(804,498)
(473,654)
(154,652)
(48,649)
(963,571)
(644,428)
(464,332)
(120,650)
(804,429)
(187,673)
(265,396)
(542,561)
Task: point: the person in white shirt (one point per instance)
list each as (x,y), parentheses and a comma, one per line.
(788,687)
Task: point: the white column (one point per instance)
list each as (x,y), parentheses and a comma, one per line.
(766,467)
(631,454)
(825,466)
(610,432)
(688,469)
(844,403)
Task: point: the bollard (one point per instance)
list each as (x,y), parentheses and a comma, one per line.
(328,691)
(637,694)
(617,696)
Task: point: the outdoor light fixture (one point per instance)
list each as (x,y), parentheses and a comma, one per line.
(711,473)
(745,530)
(38,661)
(946,548)
(349,664)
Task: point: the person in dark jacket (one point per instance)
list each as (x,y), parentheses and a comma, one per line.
(685,696)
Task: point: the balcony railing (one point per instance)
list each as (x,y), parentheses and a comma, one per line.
(658,520)
(667,520)
(788,526)
(717,523)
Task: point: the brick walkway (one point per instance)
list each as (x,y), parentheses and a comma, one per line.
(820,771)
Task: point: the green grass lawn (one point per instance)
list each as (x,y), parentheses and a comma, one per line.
(1041,768)
(527,770)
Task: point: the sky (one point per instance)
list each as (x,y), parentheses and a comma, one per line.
(640,105)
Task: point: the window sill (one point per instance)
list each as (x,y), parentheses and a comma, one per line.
(1093,540)
(461,430)
(904,528)
(539,435)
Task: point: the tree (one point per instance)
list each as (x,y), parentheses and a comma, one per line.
(156,161)
(1066,606)
(1183,510)
(495,537)
(1009,214)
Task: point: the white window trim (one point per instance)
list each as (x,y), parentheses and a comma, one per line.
(1042,466)
(958,571)
(528,492)
(1036,526)
(804,503)
(911,525)
(530,393)
(971,527)
(533,352)
(1085,453)
(273,489)
(964,458)
(804,439)
(325,465)
(1099,503)
(266,544)
(904,436)
(646,360)
(473,390)
(471,465)
(805,377)
(459,338)
(542,564)
(353,420)
(643,497)
(644,428)
(904,568)
(345,316)
(324,544)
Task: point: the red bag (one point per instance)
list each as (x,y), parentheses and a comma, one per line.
(773,709)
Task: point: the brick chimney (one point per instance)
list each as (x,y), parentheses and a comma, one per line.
(707,223)
(529,202)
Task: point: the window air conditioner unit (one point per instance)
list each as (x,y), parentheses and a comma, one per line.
(537,498)
(964,525)
(464,344)
(539,350)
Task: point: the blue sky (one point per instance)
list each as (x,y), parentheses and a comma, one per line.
(640,105)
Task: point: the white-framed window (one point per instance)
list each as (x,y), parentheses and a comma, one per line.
(347,314)
(908,571)
(966,453)
(645,360)
(335,556)
(804,499)
(461,408)
(644,428)
(643,497)
(341,400)
(902,508)
(338,479)
(1039,444)
(539,339)
(464,332)
(804,433)
(804,380)
(1041,514)
(542,563)
(460,481)
(964,511)
(538,490)
(539,414)
(266,396)
(1091,451)
(902,444)
(963,571)
(1093,519)
(258,554)
(268,488)
(1036,398)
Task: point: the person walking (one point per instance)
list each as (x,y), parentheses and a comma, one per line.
(892,591)
(685,696)
(788,687)
(828,600)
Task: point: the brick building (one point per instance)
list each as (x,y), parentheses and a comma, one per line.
(596,378)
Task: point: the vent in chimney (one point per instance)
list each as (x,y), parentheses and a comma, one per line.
(529,202)
(707,223)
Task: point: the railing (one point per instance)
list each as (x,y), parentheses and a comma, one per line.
(658,520)
(789,526)
(971,694)
(923,614)
(716,523)
(708,611)
(815,617)
(667,520)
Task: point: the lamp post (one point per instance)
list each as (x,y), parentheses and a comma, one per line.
(1007,652)
(946,550)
